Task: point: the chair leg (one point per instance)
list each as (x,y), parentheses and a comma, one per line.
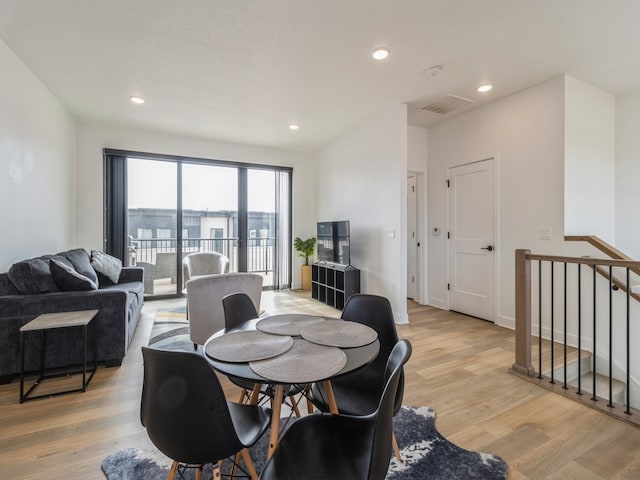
(255,394)
(199,472)
(216,471)
(396,450)
(242,396)
(173,470)
(236,461)
(294,402)
(244,453)
(307,395)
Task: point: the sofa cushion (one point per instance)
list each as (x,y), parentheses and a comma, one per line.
(107,265)
(67,279)
(81,262)
(33,276)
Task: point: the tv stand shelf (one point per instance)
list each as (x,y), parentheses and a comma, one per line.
(333,284)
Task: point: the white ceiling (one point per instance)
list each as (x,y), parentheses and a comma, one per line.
(243,70)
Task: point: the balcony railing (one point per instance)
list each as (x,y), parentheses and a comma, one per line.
(161,252)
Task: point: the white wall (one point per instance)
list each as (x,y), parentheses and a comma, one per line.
(589,161)
(363,179)
(628,173)
(525,134)
(37,148)
(91,139)
(417,152)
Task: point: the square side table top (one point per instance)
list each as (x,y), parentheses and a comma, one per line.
(48,321)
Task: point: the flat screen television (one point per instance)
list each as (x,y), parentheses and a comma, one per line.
(333,242)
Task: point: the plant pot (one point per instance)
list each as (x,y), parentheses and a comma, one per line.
(306,277)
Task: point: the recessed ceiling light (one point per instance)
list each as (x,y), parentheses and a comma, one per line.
(380,53)
(434,70)
(484,88)
(138,100)
(293,126)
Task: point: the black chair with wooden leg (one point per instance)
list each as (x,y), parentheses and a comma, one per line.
(358,393)
(238,308)
(327,446)
(188,418)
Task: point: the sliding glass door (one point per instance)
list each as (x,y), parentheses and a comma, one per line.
(173,207)
(210,210)
(152,214)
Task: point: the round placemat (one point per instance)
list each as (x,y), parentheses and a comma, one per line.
(287,324)
(247,346)
(305,362)
(339,333)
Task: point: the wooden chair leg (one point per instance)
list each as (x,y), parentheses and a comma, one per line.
(255,394)
(173,470)
(243,396)
(294,402)
(199,472)
(216,471)
(394,442)
(251,469)
(307,395)
(236,461)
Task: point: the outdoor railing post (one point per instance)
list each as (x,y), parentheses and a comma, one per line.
(523,314)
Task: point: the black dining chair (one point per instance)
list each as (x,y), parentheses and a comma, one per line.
(327,446)
(187,417)
(238,308)
(358,393)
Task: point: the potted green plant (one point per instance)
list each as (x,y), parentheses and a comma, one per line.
(305,250)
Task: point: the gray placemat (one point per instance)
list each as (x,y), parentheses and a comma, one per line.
(305,362)
(287,324)
(247,346)
(339,333)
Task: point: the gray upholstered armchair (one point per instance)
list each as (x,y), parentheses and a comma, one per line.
(204,301)
(204,263)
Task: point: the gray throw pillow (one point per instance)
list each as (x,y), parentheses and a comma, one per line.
(32,276)
(67,279)
(81,263)
(107,265)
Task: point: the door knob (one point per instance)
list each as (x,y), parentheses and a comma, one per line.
(490,248)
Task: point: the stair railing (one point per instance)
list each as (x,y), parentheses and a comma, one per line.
(566,289)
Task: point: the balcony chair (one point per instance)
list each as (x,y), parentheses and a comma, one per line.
(238,308)
(358,393)
(322,445)
(187,417)
(204,301)
(203,263)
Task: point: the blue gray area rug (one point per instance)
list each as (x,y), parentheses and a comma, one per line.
(171,330)
(426,454)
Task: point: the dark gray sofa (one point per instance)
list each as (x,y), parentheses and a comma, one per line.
(119,306)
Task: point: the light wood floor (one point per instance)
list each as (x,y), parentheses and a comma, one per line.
(459,367)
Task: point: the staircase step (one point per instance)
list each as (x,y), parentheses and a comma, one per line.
(602,387)
(572,367)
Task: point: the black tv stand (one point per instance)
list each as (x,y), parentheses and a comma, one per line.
(333,284)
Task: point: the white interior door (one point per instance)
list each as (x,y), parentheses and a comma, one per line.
(471,239)
(412,236)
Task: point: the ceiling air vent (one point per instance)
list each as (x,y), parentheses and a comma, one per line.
(446,104)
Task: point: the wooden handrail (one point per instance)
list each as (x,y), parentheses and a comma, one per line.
(618,283)
(586,261)
(603,246)
(600,244)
